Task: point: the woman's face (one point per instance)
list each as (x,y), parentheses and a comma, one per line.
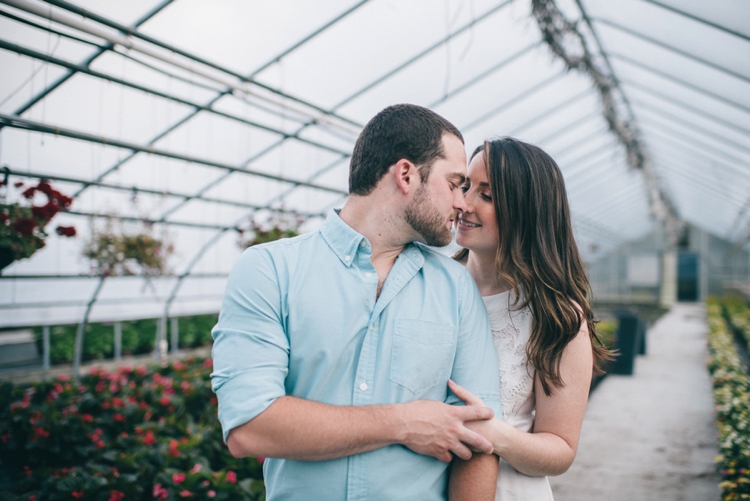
(476,228)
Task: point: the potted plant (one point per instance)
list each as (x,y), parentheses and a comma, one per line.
(275,226)
(121,253)
(22,224)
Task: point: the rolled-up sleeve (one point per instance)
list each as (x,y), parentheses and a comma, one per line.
(475,366)
(251,349)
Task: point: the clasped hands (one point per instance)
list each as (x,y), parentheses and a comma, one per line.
(439,430)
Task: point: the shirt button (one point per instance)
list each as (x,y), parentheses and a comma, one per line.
(347,258)
(368,274)
(372,326)
(363,387)
(362,244)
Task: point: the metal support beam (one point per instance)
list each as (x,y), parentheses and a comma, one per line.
(685,106)
(41,95)
(513,101)
(154,92)
(23,123)
(699,19)
(137,190)
(680,81)
(673,49)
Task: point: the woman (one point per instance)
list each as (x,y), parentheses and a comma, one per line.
(518,245)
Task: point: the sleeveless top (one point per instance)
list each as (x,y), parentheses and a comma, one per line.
(510,334)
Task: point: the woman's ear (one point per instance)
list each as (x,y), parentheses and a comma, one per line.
(406,175)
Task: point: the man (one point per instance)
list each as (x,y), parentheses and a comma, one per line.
(333,349)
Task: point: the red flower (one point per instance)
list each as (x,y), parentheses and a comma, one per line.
(164,401)
(173,448)
(118,402)
(123,434)
(231,477)
(149,439)
(186,494)
(28,192)
(66,231)
(178,478)
(260,460)
(27,471)
(77,494)
(116,495)
(25,226)
(119,417)
(99,444)
(211,494)
(208,363)
(87,418)
(33,497)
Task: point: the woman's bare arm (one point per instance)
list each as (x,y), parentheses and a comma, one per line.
(551,447)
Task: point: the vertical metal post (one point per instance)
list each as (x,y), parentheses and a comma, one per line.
(174,328)
(118,340)
(45,347)
(161,341)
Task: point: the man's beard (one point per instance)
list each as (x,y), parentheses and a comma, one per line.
(425,219)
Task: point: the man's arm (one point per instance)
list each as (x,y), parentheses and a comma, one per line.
(251,362)
(294,428)
(475,479)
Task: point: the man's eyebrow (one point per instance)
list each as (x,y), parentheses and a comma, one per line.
(455,176)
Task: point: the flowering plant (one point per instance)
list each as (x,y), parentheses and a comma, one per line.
(143,433)
(22,226)
(276,226)
(732,398)
(119,253)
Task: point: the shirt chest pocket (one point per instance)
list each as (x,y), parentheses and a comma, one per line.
(422,354)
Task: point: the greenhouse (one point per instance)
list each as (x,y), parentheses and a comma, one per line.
(145,145)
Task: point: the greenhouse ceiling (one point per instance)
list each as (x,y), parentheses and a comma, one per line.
(189,119)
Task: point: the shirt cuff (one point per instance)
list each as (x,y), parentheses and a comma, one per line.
(244,396)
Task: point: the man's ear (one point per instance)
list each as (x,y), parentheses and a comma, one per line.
(406,175)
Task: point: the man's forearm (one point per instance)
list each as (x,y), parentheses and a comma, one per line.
(475,479)
(293,428)
(304,430)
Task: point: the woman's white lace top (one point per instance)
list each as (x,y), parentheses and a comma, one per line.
(510,334)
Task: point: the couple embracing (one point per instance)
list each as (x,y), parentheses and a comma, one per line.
(345,356)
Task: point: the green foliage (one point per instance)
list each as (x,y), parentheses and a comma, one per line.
(148,433)
(732,399)
(138,337)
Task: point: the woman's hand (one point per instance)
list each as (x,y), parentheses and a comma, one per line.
(488,428)
(465,394)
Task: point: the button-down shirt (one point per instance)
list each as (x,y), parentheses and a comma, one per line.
(300,317)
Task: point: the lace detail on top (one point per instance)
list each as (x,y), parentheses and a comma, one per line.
(510,335)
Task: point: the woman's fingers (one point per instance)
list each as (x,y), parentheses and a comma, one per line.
(464,394)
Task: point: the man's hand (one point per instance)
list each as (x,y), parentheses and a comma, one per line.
(437,429)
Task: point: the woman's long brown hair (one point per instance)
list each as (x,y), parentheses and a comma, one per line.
(537,253)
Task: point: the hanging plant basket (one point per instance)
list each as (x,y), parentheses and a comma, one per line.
(275,226)
(117,253)
(22,224)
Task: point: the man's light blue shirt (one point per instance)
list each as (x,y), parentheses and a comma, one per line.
(300,317)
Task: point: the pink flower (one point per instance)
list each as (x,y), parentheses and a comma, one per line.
(186,494)
(211,494)
(77,494)
(231,477)
(196,468)
(160,492)
(178,478)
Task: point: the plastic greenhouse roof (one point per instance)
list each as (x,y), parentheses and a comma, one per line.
(196,117)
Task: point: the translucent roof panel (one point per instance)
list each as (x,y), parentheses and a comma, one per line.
(189,119)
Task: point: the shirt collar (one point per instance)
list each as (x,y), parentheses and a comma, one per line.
(345,241)
(341,237)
